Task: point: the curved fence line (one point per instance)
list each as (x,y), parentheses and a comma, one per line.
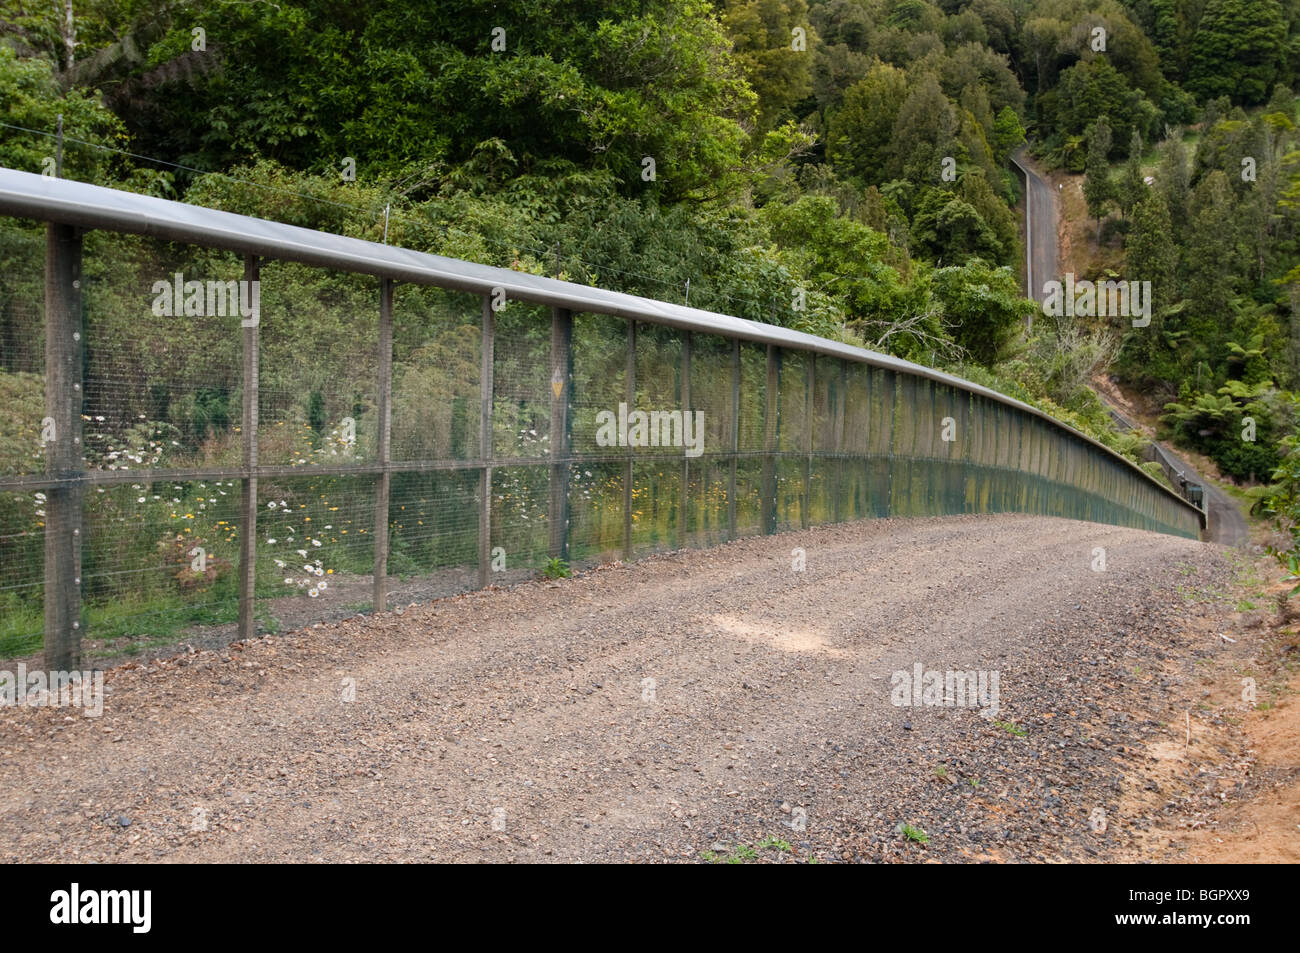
(491,421)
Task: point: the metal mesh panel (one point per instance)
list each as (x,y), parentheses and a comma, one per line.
(317,367)
(433,536)
(659,390)
(599,381)
(753,396)
(596,513)
(520,515)
(859,422)
(315,548)
(22,352)
(711,390)
(374,408)
(749,487)
(656,506)
(158,563)
(437,362)
(162,372)
(522,395)
(22,408)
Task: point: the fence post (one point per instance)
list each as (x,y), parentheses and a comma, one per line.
(770,437)
(629,472)
(383,451)
(841,398)
(686,461)
(487,356)
(64,457)
(248,485)
(809,418)
(735,437)
(561,393)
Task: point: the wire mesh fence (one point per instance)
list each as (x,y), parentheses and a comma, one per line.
(198,445)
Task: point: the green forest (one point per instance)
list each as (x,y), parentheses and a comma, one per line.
(841,167)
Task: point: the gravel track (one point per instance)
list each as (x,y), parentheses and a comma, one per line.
(527,709)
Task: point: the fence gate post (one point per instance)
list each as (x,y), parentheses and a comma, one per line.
(561,394)
(487,355)
(248,485)
(64,458)
(629,471)
(383,451)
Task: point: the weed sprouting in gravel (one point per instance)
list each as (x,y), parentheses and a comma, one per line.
(1011,727)
(915,834)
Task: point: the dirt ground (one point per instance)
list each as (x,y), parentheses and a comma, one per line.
(709,705)
(1225,785)
(718,706)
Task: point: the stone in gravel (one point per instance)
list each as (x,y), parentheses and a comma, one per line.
(123,820)
(719,848)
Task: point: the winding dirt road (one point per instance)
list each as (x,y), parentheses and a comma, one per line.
(712,704)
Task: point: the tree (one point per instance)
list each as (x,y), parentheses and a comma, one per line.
(761,32)
(1150,252)
(924,134)
(984,307)
(1174,183)
(1131,187)
(30,97)
(1008,134)
(859,137)
(592,86)
(1091,89)
(950,229)
(1237,50)
(1211,262)
(1098,190)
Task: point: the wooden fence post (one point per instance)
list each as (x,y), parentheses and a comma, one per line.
(771,422)
(809,419)
(735,437)
(64,454)
(383,452)
(487,357)
(687,344)
(248,484)
(841,396)
(561,394)
(629,472)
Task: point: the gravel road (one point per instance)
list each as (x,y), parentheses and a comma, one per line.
(694,705)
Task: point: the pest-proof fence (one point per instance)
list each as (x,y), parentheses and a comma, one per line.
(212,425)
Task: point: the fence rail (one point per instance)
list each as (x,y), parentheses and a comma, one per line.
(442,423)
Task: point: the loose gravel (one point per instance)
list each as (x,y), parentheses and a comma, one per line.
(712,705)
